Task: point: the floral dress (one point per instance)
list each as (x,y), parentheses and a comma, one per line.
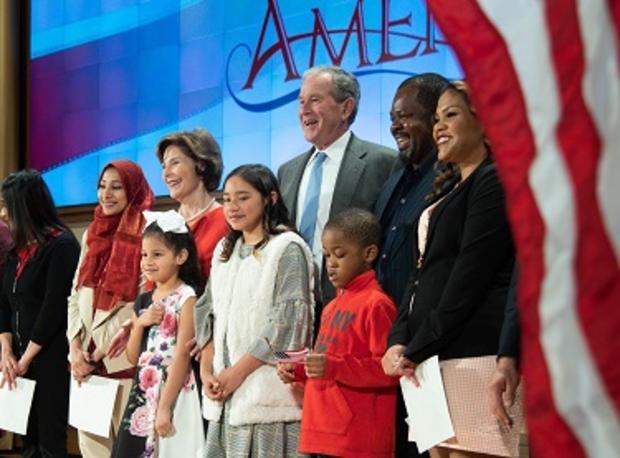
(137,437)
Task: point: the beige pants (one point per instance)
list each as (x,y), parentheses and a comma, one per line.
(442,452)
(93,446)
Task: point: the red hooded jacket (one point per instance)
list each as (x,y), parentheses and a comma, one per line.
(350,412)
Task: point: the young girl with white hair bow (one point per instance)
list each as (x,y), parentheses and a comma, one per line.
(163,416)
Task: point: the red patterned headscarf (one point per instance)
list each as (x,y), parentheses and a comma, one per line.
(112,263)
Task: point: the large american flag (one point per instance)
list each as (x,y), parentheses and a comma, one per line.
(546,83)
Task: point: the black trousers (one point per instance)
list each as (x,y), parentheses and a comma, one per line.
(46,436)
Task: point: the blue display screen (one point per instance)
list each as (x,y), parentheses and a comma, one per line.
(110,77)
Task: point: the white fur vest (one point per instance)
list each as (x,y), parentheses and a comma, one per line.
(242,291)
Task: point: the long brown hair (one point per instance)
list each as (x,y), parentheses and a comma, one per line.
(31,208)
(275,214)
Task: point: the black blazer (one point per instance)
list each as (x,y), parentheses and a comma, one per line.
(365,167)
(397,260)
(460,291)
(34,307)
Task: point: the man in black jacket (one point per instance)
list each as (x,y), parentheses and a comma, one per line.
(402,199)
(505,381)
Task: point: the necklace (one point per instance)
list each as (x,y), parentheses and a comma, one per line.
(200,211)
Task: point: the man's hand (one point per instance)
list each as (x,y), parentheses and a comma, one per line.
(502,388)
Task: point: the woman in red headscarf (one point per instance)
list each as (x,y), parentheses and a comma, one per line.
(106,285)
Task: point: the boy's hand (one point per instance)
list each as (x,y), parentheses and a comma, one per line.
(152,315)
(286,372)
(316,365)
(163,423)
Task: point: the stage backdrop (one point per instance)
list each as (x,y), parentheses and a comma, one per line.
(110,77)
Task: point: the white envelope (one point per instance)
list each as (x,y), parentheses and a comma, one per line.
(16,405)
(427,408)
(91,405)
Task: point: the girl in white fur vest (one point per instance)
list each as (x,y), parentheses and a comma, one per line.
(259,292)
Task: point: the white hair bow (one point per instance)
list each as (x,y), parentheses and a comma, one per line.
(170,221)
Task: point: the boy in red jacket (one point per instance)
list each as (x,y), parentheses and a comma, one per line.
(349,403)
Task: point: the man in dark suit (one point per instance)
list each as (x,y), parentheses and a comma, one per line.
(340,171)
(402,199)
(507,376)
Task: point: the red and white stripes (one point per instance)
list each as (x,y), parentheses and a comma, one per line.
(545,82)
(601,90)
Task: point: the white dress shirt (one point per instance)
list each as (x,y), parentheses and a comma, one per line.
(331,167)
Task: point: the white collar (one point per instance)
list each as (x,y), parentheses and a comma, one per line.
(335,151)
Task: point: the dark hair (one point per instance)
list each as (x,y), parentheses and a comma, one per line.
(427,88)
(344,85)
(448,174)
(189,271)
(358,225)
(200,146)
(275,215)
(30,207)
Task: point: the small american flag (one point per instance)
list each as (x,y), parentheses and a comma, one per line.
(288,356)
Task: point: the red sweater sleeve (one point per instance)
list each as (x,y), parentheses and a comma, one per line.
(366,372)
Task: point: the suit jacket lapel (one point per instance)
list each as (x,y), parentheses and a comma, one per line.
(436,214)
(387,191)
(290,186)
(349,176)
(451,195)
(101,317)
(422,188)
